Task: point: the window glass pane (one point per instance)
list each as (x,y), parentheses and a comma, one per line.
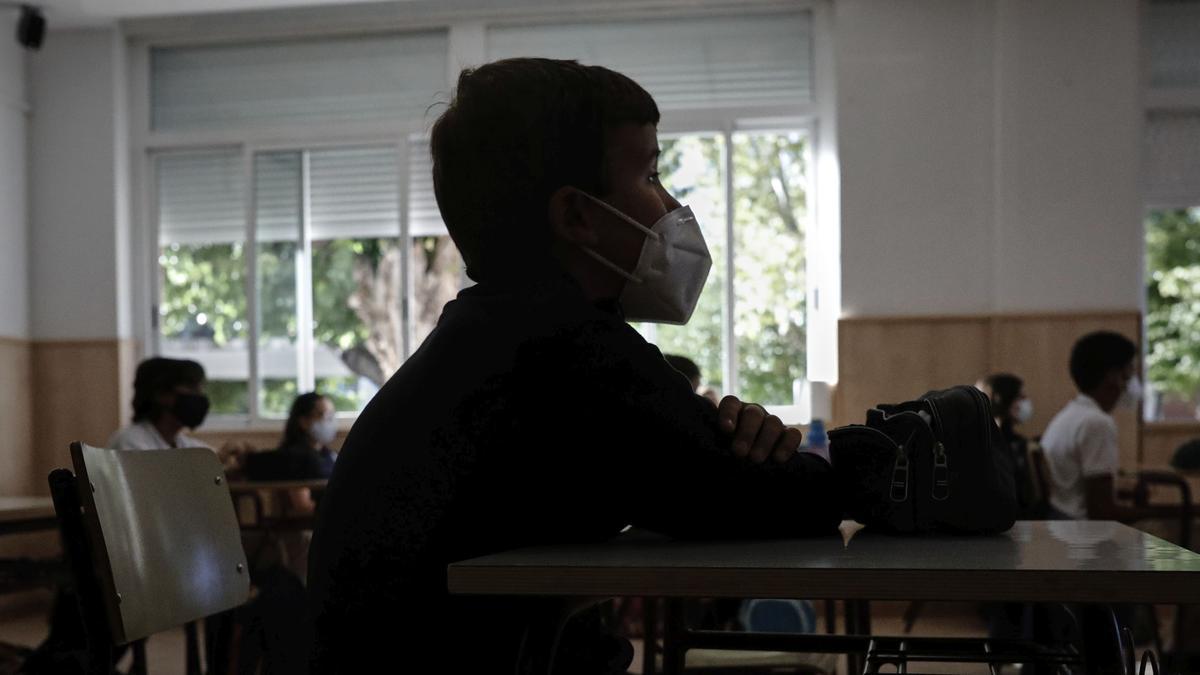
(278,211)
(357,289)
(690,168)
(273,83)
(202,300)
(770,218)
(1173,313)
(437,276)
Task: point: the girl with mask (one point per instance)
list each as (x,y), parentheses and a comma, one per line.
(303,452)
(311,427)
(168,398)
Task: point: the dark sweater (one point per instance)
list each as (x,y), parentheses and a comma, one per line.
(529,416)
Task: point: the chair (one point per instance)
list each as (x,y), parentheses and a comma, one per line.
(151,540)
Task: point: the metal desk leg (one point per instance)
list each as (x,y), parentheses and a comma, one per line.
(649,636)
(854,660)
(1105,651)
(191,656)
(674,647)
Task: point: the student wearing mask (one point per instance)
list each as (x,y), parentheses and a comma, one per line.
(303,452)
(1080,444)
(532,400)
(168,399)
(1013,408)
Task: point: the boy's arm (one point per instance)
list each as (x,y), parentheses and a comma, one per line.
(690,474)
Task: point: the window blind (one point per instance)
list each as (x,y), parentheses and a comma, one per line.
(1172,38)
(1171,159)
(354,193)
(200,198)
(697,63)
(424,218)
(350,79)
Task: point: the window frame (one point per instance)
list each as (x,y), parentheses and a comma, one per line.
(467,35)
(1159,99)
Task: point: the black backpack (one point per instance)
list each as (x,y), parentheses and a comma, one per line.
(938,463)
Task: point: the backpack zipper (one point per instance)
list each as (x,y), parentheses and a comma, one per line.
(900,476)
(941,473)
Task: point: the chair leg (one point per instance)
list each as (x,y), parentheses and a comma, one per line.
(138,666)
(674,626)
(192,653)
(649,636)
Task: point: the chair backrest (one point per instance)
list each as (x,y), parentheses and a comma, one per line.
(1041,473)
(163,536)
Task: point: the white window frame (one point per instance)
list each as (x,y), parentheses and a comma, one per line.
(467,46)
(1159,100)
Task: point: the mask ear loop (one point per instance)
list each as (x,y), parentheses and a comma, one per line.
(611,265)
(617,212)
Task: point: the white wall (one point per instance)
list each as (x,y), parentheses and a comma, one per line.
(79,216)
(14,222)
(989,154)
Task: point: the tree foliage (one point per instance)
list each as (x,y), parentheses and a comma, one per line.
(1173,301)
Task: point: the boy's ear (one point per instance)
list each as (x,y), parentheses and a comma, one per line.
(568,222)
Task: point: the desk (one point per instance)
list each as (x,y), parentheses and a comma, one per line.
(26,514)
(1036,561)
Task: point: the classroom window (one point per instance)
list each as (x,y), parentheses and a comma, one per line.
(1171,189)
(299,243)
(761,352)
(329,279)
(1173,312)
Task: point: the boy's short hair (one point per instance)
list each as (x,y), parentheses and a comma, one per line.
(514,132)
(1005,388)
(1095,354)
(158,375)
(684,365)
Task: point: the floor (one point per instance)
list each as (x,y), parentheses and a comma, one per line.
(26,626)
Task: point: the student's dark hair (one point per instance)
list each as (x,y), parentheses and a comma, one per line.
(1005,387)
(684,365)
(515,132)
(157,375)
(1095,354)
(303,406)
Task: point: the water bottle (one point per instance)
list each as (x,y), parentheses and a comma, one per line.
(818,440)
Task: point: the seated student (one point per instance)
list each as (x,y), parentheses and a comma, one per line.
(691,371)
(1080,444)
(533,413)
(303,452)
(168,398)
(1012,407)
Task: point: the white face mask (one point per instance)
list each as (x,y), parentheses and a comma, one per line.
(1132,394)
(671,270)
(1024,411)
(324,430)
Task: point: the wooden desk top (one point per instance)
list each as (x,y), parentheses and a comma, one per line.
(1065,561)
(25,508)
(26,514)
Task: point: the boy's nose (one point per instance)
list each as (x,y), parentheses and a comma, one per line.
(668,199)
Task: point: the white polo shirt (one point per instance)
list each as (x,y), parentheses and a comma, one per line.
(144,436)
(1080,442)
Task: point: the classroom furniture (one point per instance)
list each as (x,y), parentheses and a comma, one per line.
(1092,563)
(152,543)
